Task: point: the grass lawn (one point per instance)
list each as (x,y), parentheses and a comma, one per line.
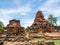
(57,42)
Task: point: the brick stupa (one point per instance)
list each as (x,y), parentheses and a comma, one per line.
(14,27)
(41,24)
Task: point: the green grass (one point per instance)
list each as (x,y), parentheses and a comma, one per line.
(57,42)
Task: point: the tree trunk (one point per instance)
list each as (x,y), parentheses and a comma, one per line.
(56,26)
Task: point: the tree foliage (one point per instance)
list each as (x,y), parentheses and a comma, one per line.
(1,25)
(52,19)
(55,20)
(27,28)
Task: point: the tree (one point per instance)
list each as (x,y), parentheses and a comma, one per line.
(55,21)
(1,25)
(27,28)
(52,19)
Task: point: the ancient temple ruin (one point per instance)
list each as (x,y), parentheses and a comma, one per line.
(14,27)
(14,32)
(40,24)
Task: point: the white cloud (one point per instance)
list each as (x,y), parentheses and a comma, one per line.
(27,22)
(4,13)
(50,2)
(55,12)
(48,7)
(58,23)
(5,19)
(21,10)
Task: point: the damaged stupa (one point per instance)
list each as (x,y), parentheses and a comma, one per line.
(14,31)
(14,27)
(40,24)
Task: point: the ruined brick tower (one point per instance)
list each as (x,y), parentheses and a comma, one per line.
(40,24)
(14,27)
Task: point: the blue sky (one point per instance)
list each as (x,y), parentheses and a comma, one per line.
(25,10)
